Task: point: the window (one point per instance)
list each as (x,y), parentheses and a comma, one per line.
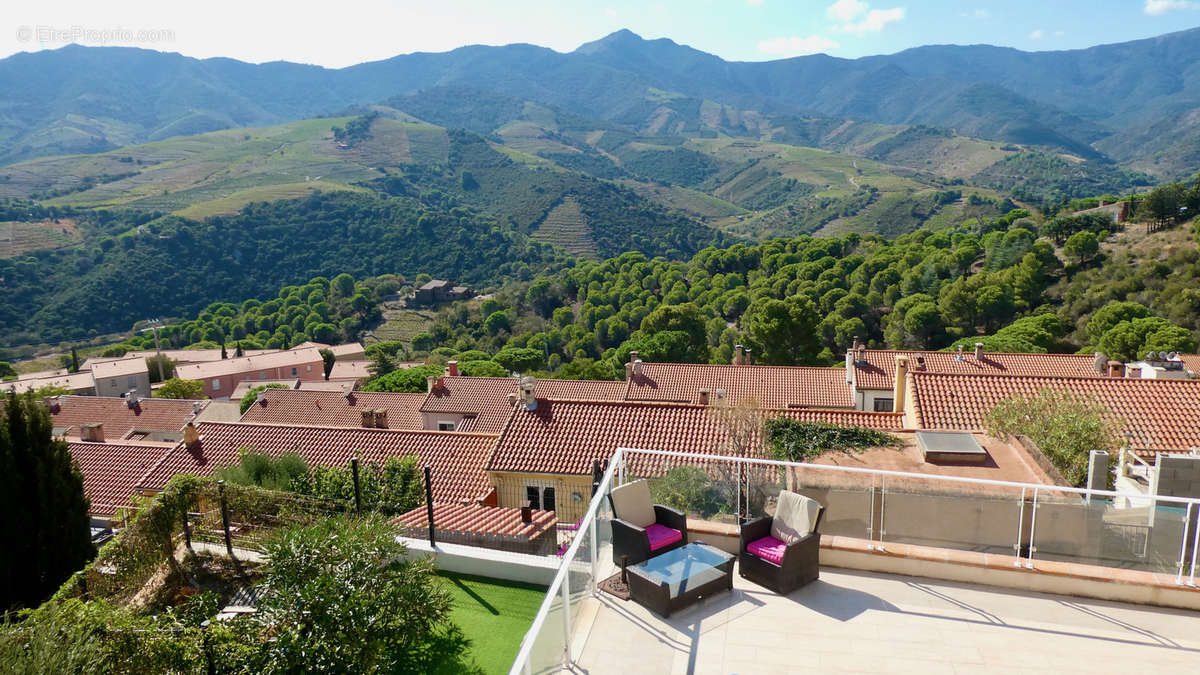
(548,499)
(295,372)
(884,405)
(132,381)
(533,496)
(262,376)
(308,368)
(216,385)
(445,426)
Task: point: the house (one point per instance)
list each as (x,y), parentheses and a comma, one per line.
(122,376)
(244,387)
(345,352)
(78,384)
(871,373)
(1155,415)
(112,471)
(111,419)
(518,530)
(355,409)
(765,386)
(181,357)
(546,453)
(438,291)
(352,370)
(484,404)
(220,378)
(457,460)
(1118,211)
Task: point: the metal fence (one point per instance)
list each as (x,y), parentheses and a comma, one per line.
(1032,523)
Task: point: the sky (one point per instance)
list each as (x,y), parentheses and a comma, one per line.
(353,31)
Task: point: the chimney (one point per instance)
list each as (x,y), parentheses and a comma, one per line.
(526,513)
(429,382)
(92,431)
(901,384)
(746,360)
(978,351)
(528,384)
(1100,363)
(703,397)
(738,351)
(959,356)
(262,401)
(196,406)
(191,437)
(862,353)
(1116,369)
(628,371)
(350,398)
(55,404)
(368,418)
(452,368)
(381,420)
(920,363)
(637,366)
(131,398)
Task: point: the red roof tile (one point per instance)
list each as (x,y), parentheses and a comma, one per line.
(566,437)
(478,519)
(332,409)
(112,471)
(242,364)
(879,369)
(457,458)
(770,386)
(486,398)
(149,414)
(1161,414)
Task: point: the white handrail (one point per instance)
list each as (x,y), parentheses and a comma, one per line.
(901,474)
(521,663)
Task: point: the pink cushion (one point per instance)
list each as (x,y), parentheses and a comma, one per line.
(768,548)
(661,535)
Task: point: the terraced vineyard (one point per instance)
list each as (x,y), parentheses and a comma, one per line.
(566,227)
(18,237)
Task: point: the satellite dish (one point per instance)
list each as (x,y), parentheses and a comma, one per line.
(1150,356)
(1171,356)
(528,382)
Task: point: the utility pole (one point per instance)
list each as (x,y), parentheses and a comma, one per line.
(154,325)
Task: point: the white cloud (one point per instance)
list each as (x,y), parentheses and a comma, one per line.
(976,14)
(874,21)
(754,3)
(1036,34)
(1160,7)
(796,46)
(846,10)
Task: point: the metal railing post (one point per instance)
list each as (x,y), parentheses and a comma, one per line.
(225,517)
(871,517)
(1187,524)
(1195,553)
(882,510)
(357,489)
(1020,530)
(595,585)
(429,506)
(1032,531)
(566,599)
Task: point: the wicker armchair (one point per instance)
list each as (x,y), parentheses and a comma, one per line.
(641,530)
(770,561)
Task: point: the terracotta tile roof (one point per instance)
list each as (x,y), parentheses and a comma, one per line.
(350,370)
(179,356)
(565,437)
(1161,414)
(477,519)
(771,386)
(244,387)
(457,458)
(879,369)
(149,414)
(111,471)
(333,409)
(486,398)
(81,381)
(120,368)
(233,366)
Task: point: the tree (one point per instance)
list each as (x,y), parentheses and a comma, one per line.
(74,360)
(1064,425)
(1131,340)
(239,351)
(343,285)
(407,379)
(482,368)
(344,598)
(519,359)
(6,370)
(328,360)
(394,488)
(44,518)
(423,342)
(160,367)
(1082,247)
(252,395)
(1112,314)
(224,354)
(261,470)
(177,388)
(784,332)
(685,318)
(668,346)
(381,365)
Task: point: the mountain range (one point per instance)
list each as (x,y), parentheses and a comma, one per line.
(1106,102)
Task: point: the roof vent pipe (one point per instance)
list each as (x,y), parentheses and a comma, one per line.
(429,382)
(978,351)
(738,352)
(452,368)
(703,397)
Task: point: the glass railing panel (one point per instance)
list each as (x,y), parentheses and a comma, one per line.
(1146,536)
(546,655)
(955,515)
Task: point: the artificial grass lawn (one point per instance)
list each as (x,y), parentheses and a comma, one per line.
(495,615)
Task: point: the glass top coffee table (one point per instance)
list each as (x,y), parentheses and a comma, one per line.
(678,578)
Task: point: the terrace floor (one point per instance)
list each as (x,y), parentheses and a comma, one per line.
(851,621)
